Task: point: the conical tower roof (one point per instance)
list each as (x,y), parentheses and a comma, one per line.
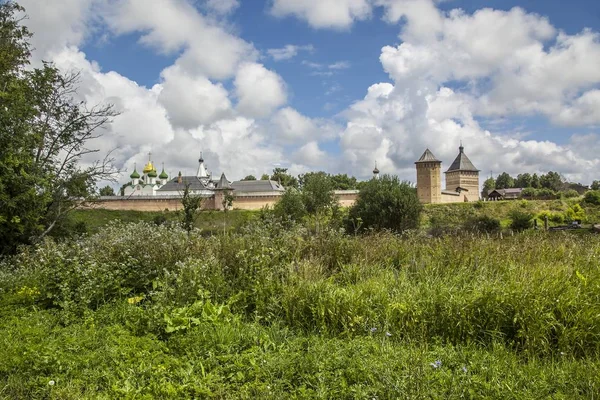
(427,157)
(223,182)
(462,162)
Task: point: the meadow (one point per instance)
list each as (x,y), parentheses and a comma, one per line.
(271,310)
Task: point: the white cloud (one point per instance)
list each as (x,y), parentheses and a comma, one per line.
(337,14)
(192,101)
(259,90)
(289,126)
(57,24)
(310,155)
(339,65)
(289,51)
(176,26)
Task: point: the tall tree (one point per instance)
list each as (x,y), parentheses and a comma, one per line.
(44,133)
(523,180)
(535,181)
(250,178)
(553,181)
(287,180)
(488,185)
(504,181)
(595,185)
(107,191)
(318,196)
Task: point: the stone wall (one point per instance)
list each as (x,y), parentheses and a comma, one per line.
(242,201)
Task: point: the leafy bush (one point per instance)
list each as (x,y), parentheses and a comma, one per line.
(571,193)
(387,203)
(290,205)
(574,213)
(521,220)
(483,224)
(592,197)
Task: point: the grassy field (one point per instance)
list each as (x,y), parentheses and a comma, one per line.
(273,311)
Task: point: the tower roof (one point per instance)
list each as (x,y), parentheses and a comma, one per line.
(462,162)
(427,157)
(223,182)
(134,174)
(375,170)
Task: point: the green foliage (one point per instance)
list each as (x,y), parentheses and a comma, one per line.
(265,177)
(552,181)
(290,205)
(482,224)
(387,203)
(521,220)
(44,132)
(140,310)
(317,193)
(191,205)
(504,181)
(575,213)
(571,193)
(287,180)
(592,197)
(524,180)
(595,185)
(107,191)
(250,178)
(488,185)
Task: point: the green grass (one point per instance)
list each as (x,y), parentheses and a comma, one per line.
(211,221)
(272,311)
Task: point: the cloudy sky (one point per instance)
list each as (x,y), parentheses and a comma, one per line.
(336,85)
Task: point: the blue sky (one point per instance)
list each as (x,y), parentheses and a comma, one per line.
(435,76)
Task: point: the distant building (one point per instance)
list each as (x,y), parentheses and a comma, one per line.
(505,194)
(462,179)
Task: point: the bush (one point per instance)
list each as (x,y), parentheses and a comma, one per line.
(290,205)
(575,213)
(387,203)
(521,220)
(528,193)
(592,197)
(483,224)
(571,193)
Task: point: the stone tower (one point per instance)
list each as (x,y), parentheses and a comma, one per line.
(429,178)
(463,177)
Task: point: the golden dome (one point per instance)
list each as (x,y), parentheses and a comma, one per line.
(149,167)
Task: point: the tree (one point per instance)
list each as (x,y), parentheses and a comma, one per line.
(249,178)
(595,185)
(504,181)
(344,182)
(191,204)
(317,195)
(535,181)
(387,203)
(552,181)
(290,205)
(265,177)
(107,191)
(488,186)
(44,133)
(281,175)
(523,180)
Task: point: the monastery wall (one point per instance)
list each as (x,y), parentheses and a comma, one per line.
(242,201)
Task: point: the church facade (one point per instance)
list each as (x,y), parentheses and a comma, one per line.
(462,179)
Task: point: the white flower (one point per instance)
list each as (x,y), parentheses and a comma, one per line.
(51,383)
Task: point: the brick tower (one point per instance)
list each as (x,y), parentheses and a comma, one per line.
(429,178)
(463,177)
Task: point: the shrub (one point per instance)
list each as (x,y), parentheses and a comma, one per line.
(387,203)
(483,223)
(575,213)
(290,205)
(592,197)
(528,193)
(521,220)
(571,193)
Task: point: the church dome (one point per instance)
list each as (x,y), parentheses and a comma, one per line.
(152,174)
(149,168)
(134,174)
(163,175)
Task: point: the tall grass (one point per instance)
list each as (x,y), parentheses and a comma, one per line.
(299,304)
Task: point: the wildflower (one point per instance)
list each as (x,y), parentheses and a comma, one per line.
(51,383)
(562,353)
(464,369)
(373,330)
(436,364)
(388,334)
